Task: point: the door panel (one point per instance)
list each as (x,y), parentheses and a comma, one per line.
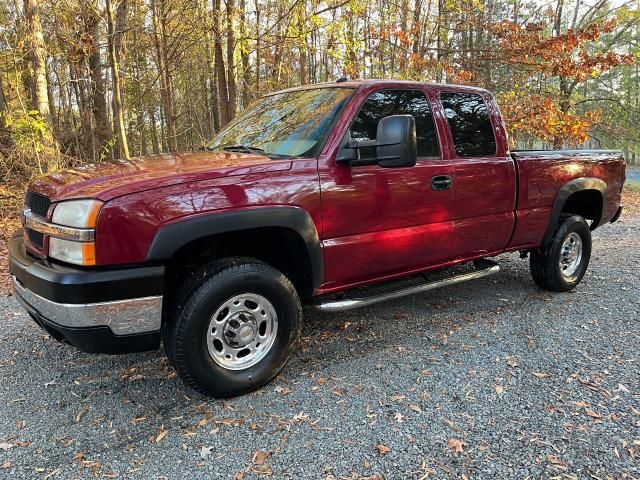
(380,222)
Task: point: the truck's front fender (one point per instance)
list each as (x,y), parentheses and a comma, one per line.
(172,237)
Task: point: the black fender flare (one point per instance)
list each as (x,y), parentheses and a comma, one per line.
(565,191)
(170,238)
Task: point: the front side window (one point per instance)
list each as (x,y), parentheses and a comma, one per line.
(396,102)
(290,124)
(470,125)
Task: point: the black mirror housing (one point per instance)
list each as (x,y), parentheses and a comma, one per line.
(396,141)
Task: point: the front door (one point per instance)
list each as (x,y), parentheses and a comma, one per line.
(382,222)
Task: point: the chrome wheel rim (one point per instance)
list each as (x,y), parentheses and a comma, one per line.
(570,254)
(242,331)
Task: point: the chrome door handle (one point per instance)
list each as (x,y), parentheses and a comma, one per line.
(441,182)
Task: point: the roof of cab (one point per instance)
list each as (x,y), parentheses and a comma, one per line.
(356,83)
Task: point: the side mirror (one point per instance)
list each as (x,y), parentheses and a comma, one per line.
(396,141)
(395,144)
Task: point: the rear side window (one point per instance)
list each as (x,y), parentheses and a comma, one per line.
(396,102)
(470,125)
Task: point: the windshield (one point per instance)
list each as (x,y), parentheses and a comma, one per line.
(291,124)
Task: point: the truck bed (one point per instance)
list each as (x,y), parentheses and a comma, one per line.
(541,173)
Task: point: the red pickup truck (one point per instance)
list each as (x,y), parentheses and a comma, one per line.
(308,192)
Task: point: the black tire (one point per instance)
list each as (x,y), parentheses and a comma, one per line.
(545,263)
(200,297)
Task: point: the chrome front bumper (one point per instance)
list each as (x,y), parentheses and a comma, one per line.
(122,317)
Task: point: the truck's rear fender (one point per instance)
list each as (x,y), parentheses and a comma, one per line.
(582,196)
(285,237)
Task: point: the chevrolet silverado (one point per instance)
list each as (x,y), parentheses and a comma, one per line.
(310,196)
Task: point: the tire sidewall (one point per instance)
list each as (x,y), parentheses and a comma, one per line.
(202,305)
(578,225)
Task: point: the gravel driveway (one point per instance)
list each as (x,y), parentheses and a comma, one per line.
(489,379)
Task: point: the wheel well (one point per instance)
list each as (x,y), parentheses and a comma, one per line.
(280,247)
(586,203)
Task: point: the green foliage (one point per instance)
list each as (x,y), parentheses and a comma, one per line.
(29,130)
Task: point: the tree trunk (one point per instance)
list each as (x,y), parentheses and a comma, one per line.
(142,134)
(118,111)
(84,131)
(258,49)
(3,106)
(103,132)
(166,81)
(231,64)
(153,127)
(37,58)
(221,76)
(5,132)
(244,55)
(302,46)
(38,82)
(61,79)
(51,99)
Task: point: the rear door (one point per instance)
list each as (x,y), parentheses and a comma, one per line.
(484,174)
(380,222)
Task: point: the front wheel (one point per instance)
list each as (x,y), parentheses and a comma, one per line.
(561,266)
(233,327)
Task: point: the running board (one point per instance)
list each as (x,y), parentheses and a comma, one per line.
(484,268)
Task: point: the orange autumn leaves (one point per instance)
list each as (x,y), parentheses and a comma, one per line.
(541,117)
(567,55)
(569,58)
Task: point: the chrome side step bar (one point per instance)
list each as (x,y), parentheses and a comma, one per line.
(484,268)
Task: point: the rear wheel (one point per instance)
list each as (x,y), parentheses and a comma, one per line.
(561,266)
(233,327)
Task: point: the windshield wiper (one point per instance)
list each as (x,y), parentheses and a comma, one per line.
(250,149)
(242,148)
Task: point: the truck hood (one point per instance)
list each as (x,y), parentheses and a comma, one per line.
(111,179)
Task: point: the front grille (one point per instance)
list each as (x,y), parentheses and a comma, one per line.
(38,203)
(36,238)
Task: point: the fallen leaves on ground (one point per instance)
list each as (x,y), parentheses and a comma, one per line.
(81,460)
(205,451)
(260,456)
(259,466)
(82,413)
(511,361)
(499,389)
(282,390)
(456,445)
(591,413)
(382,449)
(631,199)
(161,435)
(622,388)
(300,417)
(557,462)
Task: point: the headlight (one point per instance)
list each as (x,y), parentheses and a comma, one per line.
(79,253)
(77,213)
(81,215)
